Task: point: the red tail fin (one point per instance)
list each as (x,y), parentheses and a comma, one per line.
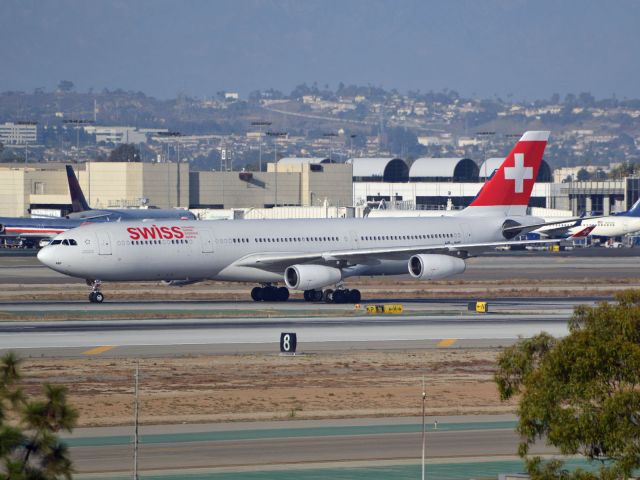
(509,189)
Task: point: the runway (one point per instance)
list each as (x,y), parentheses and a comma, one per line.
(247,328)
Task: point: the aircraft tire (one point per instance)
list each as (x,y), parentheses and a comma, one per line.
(307,295)
(256,294)
(282,294)
(316,295)
(355,296)
(92,297)
(328,295)
(339,296)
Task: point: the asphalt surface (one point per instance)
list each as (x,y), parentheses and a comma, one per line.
(249,327)
(259,445)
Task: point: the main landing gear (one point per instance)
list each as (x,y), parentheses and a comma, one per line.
(340,295)
(96,295)
(269,293)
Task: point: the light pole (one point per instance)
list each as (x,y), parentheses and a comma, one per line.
(260,124)
(486,136)
(275,136)
(78,124)
(424,431)
(351,137)
(330,136)
(169,135)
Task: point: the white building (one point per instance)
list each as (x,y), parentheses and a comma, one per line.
(118,135)
(19,133)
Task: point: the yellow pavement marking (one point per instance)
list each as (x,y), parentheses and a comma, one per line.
(97,350)
(447,342)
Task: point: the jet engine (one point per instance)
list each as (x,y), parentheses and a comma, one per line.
(311,277)
(2,227)
(435,267)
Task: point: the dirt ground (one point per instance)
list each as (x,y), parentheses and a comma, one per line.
(371,288)
(267,387)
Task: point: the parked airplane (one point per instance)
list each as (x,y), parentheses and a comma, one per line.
(81,209)
(307,255)
(33,230)
(615,225)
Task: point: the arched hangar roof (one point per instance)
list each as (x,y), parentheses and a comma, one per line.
(444,169)
(380,169)
(492,164)
(302,160)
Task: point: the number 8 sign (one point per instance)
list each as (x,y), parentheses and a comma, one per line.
(288,342)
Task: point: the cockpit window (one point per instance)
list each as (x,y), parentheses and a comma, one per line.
(66,241)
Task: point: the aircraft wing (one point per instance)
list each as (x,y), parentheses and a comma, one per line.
(368,256)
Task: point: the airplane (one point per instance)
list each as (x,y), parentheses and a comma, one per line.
(82,210)
(307,255)
(615,225)
(36,230)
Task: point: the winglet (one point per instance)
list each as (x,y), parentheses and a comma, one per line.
(78,202)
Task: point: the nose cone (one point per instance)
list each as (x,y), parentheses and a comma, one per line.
(46,256)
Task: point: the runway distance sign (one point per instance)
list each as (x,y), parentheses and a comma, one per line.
(288,342)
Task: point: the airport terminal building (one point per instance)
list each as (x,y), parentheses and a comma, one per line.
(426,183)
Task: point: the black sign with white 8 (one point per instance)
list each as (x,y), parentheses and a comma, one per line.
(288,342)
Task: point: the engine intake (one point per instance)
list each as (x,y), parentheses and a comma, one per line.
(435,267)
(310,277)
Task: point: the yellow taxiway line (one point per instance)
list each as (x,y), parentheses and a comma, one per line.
(98,350)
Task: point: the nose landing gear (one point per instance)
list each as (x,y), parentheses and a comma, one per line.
(96,295)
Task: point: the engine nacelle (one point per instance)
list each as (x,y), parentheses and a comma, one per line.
(435,267)
(310,277)
(2,228)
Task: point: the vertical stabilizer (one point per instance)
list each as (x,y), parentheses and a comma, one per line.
(78,202)
(634,211)
(508,191)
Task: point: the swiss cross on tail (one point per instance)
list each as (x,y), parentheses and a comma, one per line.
(509,189)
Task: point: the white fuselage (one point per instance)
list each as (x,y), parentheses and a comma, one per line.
(212,249)
(609,226)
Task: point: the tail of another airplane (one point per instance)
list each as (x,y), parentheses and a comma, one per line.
(508,191)
(78,202)
(634,211)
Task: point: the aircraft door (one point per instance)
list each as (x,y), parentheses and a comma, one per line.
(104,243)
(354,239)
(207,242)
(466,233)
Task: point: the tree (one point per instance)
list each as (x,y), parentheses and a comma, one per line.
(583,175)
(65,86)
(29,445)
(127,152)
(582,392)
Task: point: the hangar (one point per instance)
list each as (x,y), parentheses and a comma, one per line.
(390,170)
(429,169)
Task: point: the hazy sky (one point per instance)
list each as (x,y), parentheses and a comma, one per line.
(528,49)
